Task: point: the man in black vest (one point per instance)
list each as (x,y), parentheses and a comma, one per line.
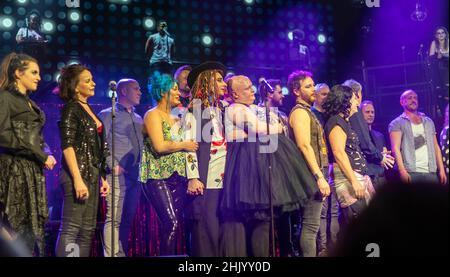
(309,136)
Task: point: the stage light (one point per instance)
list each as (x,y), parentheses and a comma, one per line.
(21,11)
(6,23)
(7,35)
(285,91)
(74,16)
(22,2)
(7,10)
(207,40)
(57,74)
(48,26)
(149,23)
(230,73)
(47,77)
(73,62)
(290,36)
(321,38)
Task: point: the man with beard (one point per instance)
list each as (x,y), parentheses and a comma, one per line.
(414,144)
(309,136)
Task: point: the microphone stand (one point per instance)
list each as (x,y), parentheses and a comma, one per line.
(113,214)
(272,221)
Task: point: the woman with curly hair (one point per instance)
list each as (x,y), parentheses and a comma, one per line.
(162,168)
(349,180)
(23,154)
(84,162)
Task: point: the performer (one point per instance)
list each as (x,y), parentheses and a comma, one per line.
(163,168)
(329,217)
(205,167)
(29,39)
(349,179)
(371,153)
(287,223)
(439,54)
(378,171)
(414,144)
(440,45)
(245,201)
(307,132)
(160,47)
(128,145)
(299,56)
(23,154)
(84,162)
(181,77)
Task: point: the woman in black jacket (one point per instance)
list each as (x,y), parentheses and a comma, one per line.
(23,154)
(84,150)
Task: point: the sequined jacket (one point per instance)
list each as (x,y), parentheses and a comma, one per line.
(78,130)
(21,127)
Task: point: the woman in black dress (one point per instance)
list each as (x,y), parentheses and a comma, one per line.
(23,154)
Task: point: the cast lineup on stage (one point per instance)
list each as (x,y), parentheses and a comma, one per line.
(202,155)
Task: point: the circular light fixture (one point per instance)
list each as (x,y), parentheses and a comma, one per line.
(290,36)
(48,26)
(74,16)
(6,23)
(149,23)
(207,40)
(321,38)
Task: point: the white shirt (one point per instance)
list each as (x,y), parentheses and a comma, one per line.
(32,34)
(418,131)
(218,152)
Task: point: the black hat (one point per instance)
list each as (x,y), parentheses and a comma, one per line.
(203,67)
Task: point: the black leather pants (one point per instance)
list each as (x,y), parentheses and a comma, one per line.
(78,220)
(167,197)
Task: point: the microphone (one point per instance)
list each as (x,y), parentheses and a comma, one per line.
(112,85)
(165,31)
(269,87)
(112,88)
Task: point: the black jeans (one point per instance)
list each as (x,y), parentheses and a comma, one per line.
(167,197)
(78,220)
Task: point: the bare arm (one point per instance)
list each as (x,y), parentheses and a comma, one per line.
(396,138)
(432,51)
(153,127)
(300,123)
(242,117)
